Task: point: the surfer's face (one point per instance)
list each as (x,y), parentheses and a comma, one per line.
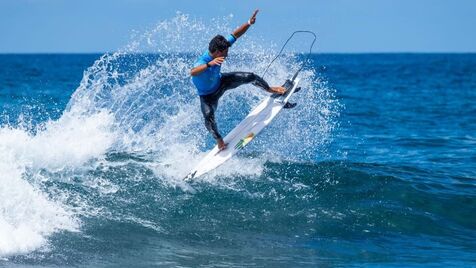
(223,53)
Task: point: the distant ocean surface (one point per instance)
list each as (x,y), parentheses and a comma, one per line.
(376,166)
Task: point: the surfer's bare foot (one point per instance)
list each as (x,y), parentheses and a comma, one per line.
(221,145)
(278,90)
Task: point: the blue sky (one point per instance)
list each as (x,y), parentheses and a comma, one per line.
(28,26)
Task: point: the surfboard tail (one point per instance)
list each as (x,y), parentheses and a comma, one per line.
(190,176)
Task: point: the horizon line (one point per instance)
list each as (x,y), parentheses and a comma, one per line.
(314,53)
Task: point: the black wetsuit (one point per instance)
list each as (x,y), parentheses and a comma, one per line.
(228,81)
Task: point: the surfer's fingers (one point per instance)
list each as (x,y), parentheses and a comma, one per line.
(252,20)
(218,61)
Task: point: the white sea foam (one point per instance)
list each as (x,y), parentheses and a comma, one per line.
(132,102)
(68,142)
(27,215)
(156,109)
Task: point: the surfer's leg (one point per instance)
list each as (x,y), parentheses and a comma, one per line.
(208,110)
(235,79)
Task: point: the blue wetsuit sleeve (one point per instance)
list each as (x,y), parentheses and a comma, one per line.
(231,38)
(200,61)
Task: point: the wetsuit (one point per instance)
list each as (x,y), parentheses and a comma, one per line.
(211,84)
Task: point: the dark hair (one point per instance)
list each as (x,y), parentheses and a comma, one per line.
(218,43)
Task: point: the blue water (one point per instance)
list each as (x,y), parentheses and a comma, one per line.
(374,167)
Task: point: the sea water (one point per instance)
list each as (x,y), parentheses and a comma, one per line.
(374,167)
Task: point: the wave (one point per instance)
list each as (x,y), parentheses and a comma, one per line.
(140,102)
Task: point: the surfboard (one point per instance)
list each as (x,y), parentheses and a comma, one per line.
(260,117)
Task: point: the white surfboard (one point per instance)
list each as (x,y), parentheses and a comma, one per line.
(245,131)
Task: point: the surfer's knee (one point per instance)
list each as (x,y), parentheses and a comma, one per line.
(246,77)
(206,107)
(251,76)
(208,114)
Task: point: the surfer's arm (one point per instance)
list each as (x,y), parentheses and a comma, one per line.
(243,28)
(202,67)
(198,70)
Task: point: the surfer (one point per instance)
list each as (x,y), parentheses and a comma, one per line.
(211,84)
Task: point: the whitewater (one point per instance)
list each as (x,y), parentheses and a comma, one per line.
(139,102)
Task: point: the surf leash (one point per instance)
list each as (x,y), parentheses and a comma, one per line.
(282,48)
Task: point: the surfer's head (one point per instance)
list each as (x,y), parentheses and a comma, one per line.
(218,46)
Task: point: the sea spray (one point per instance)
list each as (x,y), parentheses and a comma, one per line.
(29,215)
(134,124)
(146,86)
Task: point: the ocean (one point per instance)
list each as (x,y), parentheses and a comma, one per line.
(375,167)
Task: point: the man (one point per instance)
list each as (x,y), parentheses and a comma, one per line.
(211,84)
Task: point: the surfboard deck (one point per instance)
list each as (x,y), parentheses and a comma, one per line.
(246,130)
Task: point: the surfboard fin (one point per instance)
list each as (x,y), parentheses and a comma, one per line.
(190,176)
(289,105)
(297,89)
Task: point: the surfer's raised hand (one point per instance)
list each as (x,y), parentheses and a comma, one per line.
(243,28)
(217,61)
(252,20)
